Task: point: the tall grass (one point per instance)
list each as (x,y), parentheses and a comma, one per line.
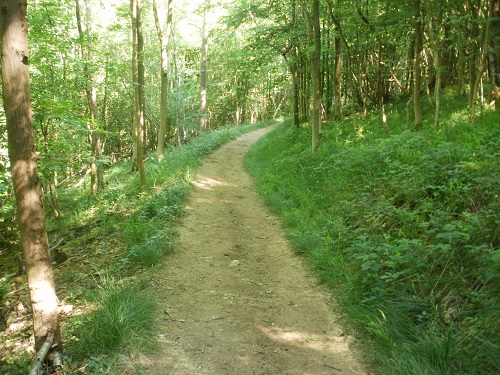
(121,317)
(405,227)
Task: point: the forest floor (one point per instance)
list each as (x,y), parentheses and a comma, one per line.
(233,298)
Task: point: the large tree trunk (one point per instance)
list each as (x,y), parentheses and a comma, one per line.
(203,68)
(138,80)
(23,159)
(417,65)
(164,42)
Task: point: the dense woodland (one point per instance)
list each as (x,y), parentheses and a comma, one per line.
(118,87)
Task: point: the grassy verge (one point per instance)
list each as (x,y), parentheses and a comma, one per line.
(110,240)
(404,226)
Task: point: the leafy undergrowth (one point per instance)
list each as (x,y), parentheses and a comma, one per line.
(109,242)
(404,226)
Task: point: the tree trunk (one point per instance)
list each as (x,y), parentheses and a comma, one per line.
(203,68)
(164,42)
(23,159)
(495,52)
(482,66)
(314,34)
(96,168)
(294,69)
(316,74)
(417,76)
(435,39)
(138,80)
(337,81)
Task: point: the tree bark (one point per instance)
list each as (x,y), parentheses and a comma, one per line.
(203,68)
(482,65)
(316,75)
(435,39)
(164,42)
(495,52)
(417,76)
(314,32)
(96,168)
(23,159)
(138,80)
(337,80)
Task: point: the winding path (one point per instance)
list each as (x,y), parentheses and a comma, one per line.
(233,297)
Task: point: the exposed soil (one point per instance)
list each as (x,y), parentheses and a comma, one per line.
(233,297)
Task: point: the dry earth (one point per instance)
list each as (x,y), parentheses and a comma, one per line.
(233,297)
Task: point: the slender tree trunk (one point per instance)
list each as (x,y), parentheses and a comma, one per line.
(164,42)
(482,66)
(23,159)
(296,89)
(203,68)
(417,75)
(138,80)
(436,46)
(337,81)
(135,83)
(96,168)
(314,32)
(294,69)
(495,52)
(316,75)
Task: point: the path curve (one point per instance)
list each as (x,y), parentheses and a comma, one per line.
(233,297)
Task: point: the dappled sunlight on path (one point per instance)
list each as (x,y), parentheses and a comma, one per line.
(308,340)
(208,183)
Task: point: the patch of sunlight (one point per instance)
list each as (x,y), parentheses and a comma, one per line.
(208,183)
(460,117)
(359,132)
(307,340)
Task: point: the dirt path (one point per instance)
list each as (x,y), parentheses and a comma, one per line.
(234,298)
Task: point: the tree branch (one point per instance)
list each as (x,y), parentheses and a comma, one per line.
(42,353)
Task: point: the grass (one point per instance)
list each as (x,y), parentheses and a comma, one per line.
(404,226)
(113,238)
(121,316)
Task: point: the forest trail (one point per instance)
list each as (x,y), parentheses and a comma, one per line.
(233,298)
